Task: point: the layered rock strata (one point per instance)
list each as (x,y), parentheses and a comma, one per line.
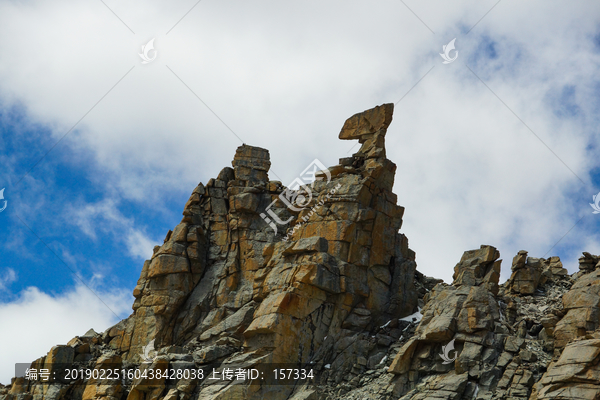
(318,275)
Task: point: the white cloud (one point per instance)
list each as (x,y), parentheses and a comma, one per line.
(105,216)
(36,321)
(139,245)
(7,277)
(286,75)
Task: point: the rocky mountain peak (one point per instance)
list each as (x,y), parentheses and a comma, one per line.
(318,276)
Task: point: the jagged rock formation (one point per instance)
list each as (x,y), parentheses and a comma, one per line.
(257,273)
(529,272)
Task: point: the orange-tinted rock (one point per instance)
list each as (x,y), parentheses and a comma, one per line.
(574,375)
(251,163)
(367,122)
(258,273)
(582,305)
(310,292)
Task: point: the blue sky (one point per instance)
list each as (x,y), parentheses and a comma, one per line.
(499,147)
(49,193)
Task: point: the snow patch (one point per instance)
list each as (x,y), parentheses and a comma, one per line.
(417,317)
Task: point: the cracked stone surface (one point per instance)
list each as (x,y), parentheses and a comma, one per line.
(336,288)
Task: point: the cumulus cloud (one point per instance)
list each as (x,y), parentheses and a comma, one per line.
(35,321)
(496,148)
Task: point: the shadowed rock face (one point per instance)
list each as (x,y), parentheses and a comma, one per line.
(259,273)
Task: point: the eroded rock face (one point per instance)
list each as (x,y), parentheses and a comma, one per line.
(466,313)
(582,307)
(529,272)
(477,267)
(504,338)
(226,285)
(258,273)
(588,262)
(575,374)
(369,127)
